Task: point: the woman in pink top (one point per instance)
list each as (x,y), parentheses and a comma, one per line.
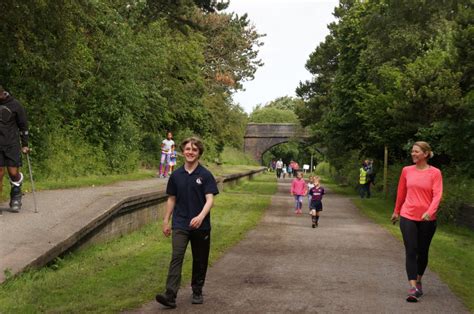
(298,190)
(419,192)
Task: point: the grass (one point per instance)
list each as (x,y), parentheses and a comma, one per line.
(451,251)
(127,272)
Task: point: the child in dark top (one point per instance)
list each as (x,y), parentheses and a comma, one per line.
(316,192)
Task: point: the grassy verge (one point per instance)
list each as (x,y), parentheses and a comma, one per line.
(451,252)
(129,271)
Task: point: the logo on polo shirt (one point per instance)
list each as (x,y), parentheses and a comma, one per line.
(199,180)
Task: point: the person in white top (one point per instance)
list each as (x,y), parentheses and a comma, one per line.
(279,166)
(167,148)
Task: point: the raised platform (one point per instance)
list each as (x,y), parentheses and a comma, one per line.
(71,218)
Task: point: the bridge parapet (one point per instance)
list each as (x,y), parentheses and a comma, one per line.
(260,137)
(275,130)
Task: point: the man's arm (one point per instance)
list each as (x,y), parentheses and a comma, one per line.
(169,210)
(22,124)
(197,221)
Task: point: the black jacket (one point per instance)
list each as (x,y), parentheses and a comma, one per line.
(13,123)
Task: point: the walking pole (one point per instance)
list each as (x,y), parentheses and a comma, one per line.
(32,182)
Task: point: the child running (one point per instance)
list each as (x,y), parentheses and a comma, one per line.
(298,190)
(316,205)
(309,186)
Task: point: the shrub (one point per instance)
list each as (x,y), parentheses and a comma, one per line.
(233,156)
(69,155)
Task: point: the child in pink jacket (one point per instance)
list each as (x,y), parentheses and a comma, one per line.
(298,190)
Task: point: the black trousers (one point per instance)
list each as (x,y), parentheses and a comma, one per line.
(417,237)
(278,172)
(200,246)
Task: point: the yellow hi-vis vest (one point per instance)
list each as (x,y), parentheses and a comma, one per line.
(362,176)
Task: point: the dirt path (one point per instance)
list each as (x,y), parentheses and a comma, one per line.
(347,264)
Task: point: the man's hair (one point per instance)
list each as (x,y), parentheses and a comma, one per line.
(194,141)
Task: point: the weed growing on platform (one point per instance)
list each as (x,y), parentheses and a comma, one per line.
(129,271)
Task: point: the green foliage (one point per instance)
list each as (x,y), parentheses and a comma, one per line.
(272,115)
(119,74)
(233,156)
(390,73)
(71,156)
(324,169)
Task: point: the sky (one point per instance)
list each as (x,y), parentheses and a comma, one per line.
(293,28)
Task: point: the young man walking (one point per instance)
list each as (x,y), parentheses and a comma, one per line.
(13,126)
(191,189)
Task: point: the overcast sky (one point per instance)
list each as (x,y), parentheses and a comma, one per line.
(294,28)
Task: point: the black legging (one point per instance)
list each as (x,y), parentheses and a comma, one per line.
(417,237)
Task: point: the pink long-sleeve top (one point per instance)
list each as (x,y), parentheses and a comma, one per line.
(419,191)
(298,187)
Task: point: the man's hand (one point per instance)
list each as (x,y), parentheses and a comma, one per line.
(25,149)
(395,218)
(166,229)
(196,222)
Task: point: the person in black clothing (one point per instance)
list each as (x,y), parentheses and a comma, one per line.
(13,126)
(191,189)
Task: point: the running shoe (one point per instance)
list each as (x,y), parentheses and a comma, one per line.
(314,225)
(419,287)
(197,297)
(413,295)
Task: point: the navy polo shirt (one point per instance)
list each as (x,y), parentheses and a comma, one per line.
(190,190)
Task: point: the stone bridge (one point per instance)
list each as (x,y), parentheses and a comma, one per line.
(260,137)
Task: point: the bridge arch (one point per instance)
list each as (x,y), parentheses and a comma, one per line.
(260,137)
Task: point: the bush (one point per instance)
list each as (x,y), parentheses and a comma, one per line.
(324,169)
(457,191)
(233,156)
(69,155)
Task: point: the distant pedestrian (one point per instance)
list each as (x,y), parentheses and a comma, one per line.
(13,130)
(370,173)
(283,171)
(419,193)
(363,186)
(298,190)
(316,205)
(290,171)
(167,147)
(279,166)
(191,189)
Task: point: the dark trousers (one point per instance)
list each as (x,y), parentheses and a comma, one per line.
(279,173)
(417,237)
(364,189)
(200,245)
